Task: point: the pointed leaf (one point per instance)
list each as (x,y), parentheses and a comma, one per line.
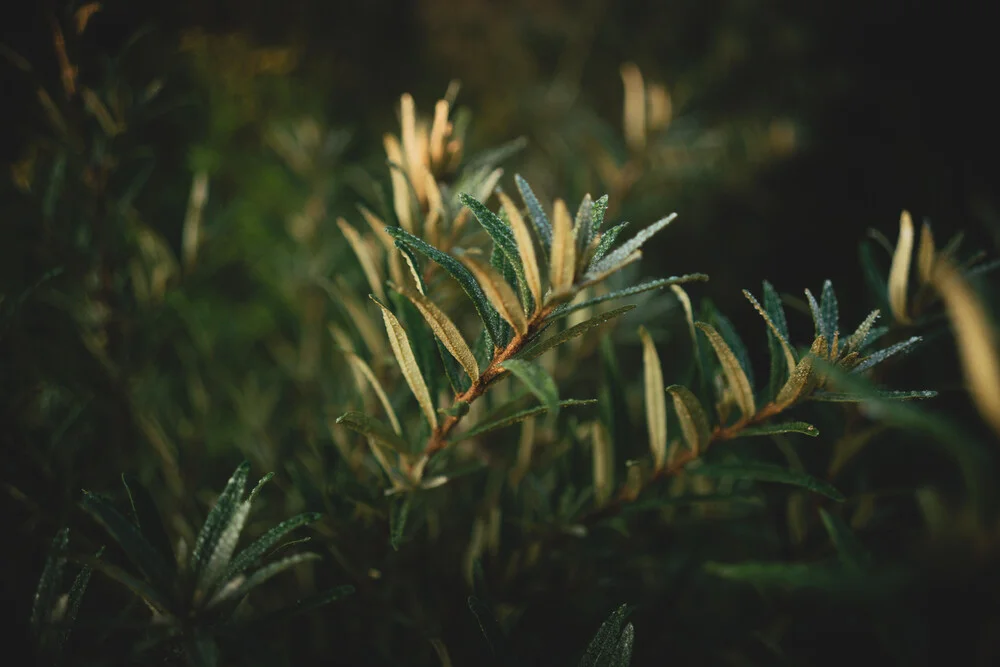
(363,253)
(458,272)
(446,332)
(694,422)
(535,212)
(731,368)
(656,404)
(510,419)
(628,291)
(489,627)
(145,592)
(50,582)
(501,296)
(73,602)
(607,240)
(372,428)
(775,429)
(562,262)
(804,378)
(604,648)
(857,340)
(218,561)
(735,343)
(256,551)
(238,588)
(366,372)
(630,246)
(899,272)
(883,354)
(502,235)
(541,348)
(525,249)
(300,607)
(408,364)
(583,224)
(796,575)
(139,551)
(537,380)
(778,328)
(147,518)
(829,312)
(599,209)
(219,517)
(841,397)
(399,511)
(766,472)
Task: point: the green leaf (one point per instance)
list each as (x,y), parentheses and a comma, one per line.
(73,602)
(502,237)
(151,596)
(399,511)
(611,643)
(307,604)
(535,212)
(564,310)
(829,313)
(598,210)
(138,550)
(508,420)
(490,628)
(844,397)
(458,272)
(537,380)
(50,582)
(775,429)
(766,472)
(373,428)
(775,310)
(252,554)
(790,575)
(147,518)
(583,224)
(852,552)
(626,249)
(694,421)
(422,341)
(608,239)
(541,348)
(881,355)
(219,518)
(238,588)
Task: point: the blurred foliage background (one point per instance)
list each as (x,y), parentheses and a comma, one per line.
(170,267)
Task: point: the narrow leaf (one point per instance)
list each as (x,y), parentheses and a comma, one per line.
(502,235)
(256,551)
(562,262)
(883,354)
(583,224)
(147,518)
(731,368)
(535,212)
(245,585)
(398,514)
(525,248)
(899,272)
(537,380)
(408,364)
(656,404)
(225,546)
(778,329)
(607,240)
(775,429)
(458,272)
(694,422)
(138,550)
(510,419)
(628,291)
(735,343)
(50,582)
(219,517)
(804,378)
(541,348)
(499,293)
(366,372)
(602,648)
(374,429)
(857,340)
(599,209)
(852,553)
(829,313)
(446,331)
(765,472)
(363,253)
(842,397)
(489,627)
(626,249)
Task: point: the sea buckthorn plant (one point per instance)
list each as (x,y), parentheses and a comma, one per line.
(497,433)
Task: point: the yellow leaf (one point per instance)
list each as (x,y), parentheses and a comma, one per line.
(411,146)
(685,300)
(785,346)
(976,339)
(364,370)
(500,294)
(408,364)
(525,248)
(694,421)
(659,106)
(803,379)
(563,262)
(925,253)
(439,130)
(378,227)
(899,271)
(656,399)
(737,379)
(445,330)
(434,209)
(400,188)
(603,463)
(363,253)
(634,110)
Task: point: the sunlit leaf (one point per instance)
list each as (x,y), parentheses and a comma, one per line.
(899,273)
(731,368)
(398,514)
(408,363)
(604,245)
(656,404)
(500,294)
(446,332)
(562,262)
(525,248)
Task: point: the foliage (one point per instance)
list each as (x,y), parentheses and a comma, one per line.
(486,408)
